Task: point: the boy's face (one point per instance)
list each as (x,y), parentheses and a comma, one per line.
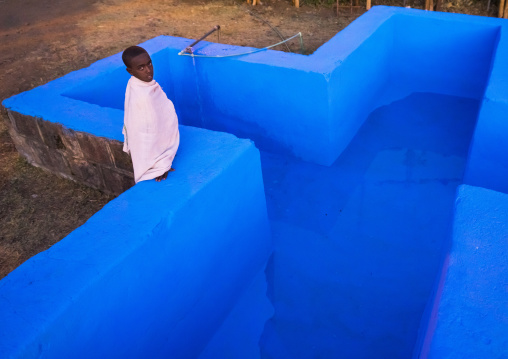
(141,67)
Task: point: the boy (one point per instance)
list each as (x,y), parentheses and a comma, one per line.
(150,123)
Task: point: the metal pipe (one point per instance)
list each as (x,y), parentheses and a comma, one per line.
(188,49)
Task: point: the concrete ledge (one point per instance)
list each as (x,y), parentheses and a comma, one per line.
(157,271)
(469,317)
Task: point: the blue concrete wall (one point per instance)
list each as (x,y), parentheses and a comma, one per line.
(239,334)
(358,243)
(434,54)
(389,54)
(488,163)
(359,81)
(157,272)
(305,106)
(469,316)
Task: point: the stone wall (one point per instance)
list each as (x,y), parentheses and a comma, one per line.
(97,162)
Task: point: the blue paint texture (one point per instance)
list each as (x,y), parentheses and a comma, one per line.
(470,314)
(363,147)
(358,244)
(157,271)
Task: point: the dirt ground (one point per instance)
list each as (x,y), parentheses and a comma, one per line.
(41,40)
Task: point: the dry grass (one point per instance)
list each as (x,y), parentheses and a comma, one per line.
(37,208)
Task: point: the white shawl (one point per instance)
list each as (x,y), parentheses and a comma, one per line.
(150,129)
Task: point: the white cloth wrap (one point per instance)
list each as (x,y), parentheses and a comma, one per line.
(150,129)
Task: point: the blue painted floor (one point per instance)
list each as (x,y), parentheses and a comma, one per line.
(358,244)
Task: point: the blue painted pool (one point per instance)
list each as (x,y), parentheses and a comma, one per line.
(380,154)
(358,244)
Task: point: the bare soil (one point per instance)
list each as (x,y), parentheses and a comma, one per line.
(41,40)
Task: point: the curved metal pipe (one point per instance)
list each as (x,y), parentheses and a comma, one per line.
(188,49)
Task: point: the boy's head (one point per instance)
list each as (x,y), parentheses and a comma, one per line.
(139,63)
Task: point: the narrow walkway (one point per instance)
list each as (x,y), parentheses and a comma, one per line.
(358,245)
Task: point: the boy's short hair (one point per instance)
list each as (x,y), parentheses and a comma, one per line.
(130,53)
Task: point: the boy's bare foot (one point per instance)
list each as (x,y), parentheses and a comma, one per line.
(164,176)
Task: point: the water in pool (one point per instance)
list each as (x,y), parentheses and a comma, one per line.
(358,244)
